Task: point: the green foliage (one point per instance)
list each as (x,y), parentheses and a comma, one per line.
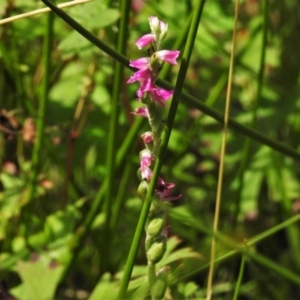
(56,240)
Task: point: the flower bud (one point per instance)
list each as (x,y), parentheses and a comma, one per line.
(147,137)
(142,189)
(158,289)
(163,32)
(156,64)
(155,224)
(154,25)
(157,250)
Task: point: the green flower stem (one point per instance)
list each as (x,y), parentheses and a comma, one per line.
(158,164)
(190,100)
(247,145)
(40,119)
(113,132)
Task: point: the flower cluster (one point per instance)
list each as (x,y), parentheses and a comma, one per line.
(153,97)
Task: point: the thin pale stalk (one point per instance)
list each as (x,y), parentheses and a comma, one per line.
(188,99)
(113,131)
(158,164)
(41,11)
(222,158)
(247,145)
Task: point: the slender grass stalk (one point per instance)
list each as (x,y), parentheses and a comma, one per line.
(247,145)
(113,132)
(159,160)
(40,118)
(222,157)
(188,99)
(41,11)
(240,278)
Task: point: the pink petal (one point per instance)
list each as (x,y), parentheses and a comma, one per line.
(160,95)
(140,75)
(168,56)
(147,174)
(146,85)
(142,112)
(141,63)
(147,137)
(145,40)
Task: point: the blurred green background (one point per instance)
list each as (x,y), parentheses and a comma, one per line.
(45,201)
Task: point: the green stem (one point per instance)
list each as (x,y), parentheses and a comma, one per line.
(240,278)
(113,132)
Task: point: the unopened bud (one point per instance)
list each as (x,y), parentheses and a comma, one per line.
(163,32)
(154,25)
(142,189)
(147,137)
(158,289)
(155,224)
(157,250)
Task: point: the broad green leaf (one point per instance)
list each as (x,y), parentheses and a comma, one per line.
(39,278)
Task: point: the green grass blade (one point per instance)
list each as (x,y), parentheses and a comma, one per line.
(113,130)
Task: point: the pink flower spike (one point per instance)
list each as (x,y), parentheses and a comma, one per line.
(141,63)
(142,112)
(145,40)
(168,56)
